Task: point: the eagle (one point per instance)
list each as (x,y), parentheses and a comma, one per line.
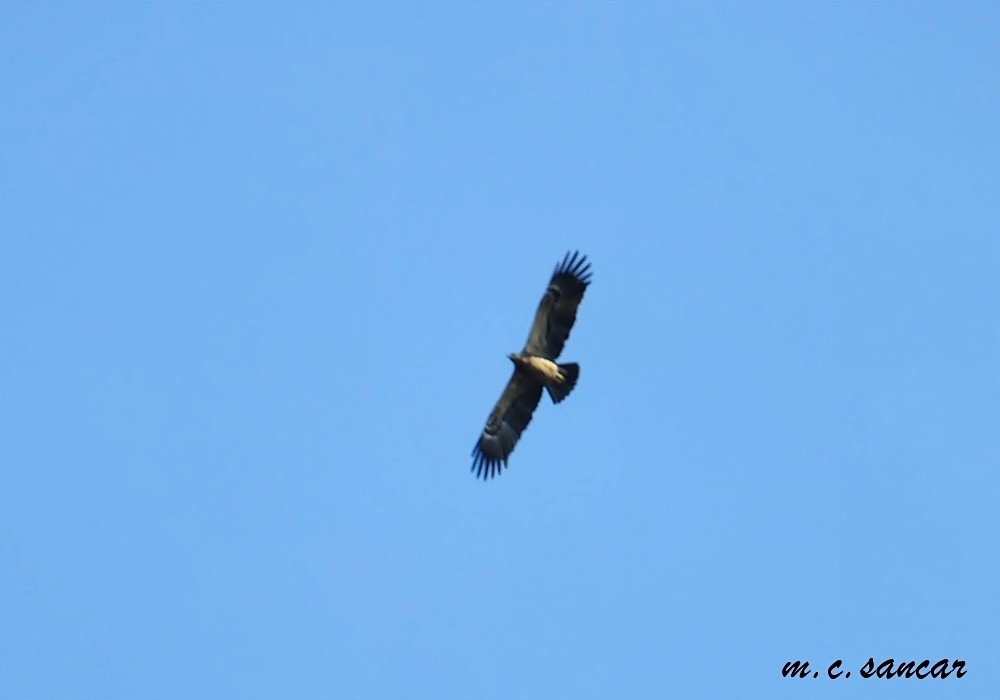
(535,367)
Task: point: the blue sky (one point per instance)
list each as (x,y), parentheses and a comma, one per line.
(261,265)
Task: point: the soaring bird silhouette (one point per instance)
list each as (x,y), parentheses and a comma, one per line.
(535,367)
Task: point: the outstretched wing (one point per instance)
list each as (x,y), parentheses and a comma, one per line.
(508,420)
(557,311)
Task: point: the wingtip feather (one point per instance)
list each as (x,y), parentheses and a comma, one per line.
(576,265)
(484,467)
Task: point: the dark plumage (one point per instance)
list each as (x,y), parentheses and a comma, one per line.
(535,367)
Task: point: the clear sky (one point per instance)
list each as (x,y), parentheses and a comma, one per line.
(261,264)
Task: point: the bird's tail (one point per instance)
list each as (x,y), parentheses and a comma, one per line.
(559,390)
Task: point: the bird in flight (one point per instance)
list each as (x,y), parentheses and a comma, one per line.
(535,367)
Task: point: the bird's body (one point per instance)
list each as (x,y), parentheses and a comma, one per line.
(545,370)
(535,367)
